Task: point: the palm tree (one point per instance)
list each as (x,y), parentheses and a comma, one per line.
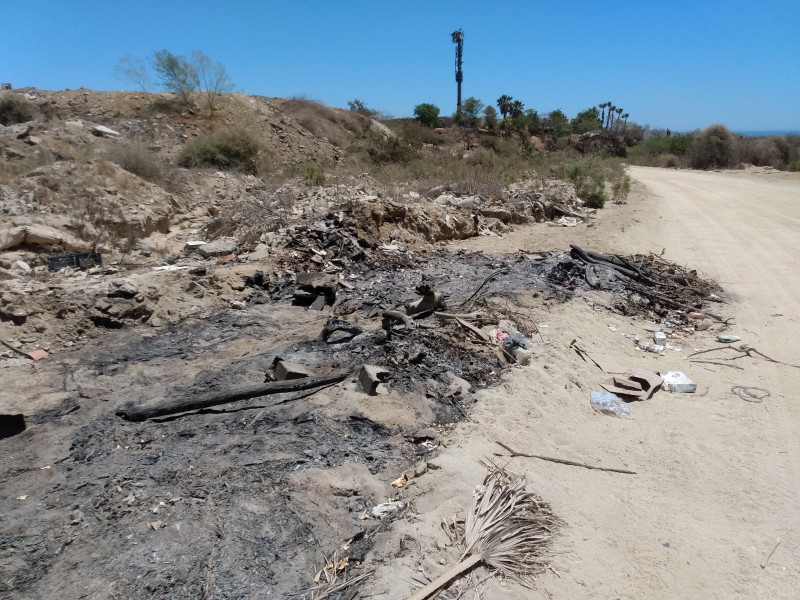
(619,112)
(625,124)
(603,115)
(611,112)
(504,104)
(517,108)
(608,117)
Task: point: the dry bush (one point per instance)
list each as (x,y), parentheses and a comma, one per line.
(247,219)
(778,151)
(12,168)
(714,148)
(15,109)
(138,159)
(336,125)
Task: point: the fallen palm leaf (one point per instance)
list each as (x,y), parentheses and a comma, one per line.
(507,529)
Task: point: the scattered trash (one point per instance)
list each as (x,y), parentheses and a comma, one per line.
(371,377)
(728,339)
(703,324)
(75,260)
(387,508)
(283,370)
(38,355)
(648,347)
(676,381)
(660,338)
(750,394)
(610,404)
(409,474)
(569,221)
(637,386)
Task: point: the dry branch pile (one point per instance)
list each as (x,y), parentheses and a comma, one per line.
(664,284)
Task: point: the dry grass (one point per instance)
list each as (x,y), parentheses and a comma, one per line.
(138,159)
(338,126)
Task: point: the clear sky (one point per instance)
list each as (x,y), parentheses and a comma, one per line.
(681,64)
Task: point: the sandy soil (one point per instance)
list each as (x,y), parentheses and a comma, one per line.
(718,478)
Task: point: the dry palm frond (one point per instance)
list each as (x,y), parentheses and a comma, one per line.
(507,529)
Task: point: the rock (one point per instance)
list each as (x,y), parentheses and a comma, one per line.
(260,253)
(33,140)
(103,131)
(122,288)
(217,248)
(446,199)
(14,313)
(20,265)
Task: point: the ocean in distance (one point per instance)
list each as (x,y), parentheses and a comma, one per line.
(767,133)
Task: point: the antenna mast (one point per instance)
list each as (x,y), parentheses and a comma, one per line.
(458,40)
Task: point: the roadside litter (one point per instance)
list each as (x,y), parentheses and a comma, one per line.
(675,381)
(610,404)
(750,394)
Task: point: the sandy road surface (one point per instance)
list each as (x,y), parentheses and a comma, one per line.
(718,478)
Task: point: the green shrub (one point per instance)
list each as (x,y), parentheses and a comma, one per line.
(651,152)
(714,148)
(427,114)
(235,149)
(313,175)
(15,109)
(620,189)
(390,149)
(590,184)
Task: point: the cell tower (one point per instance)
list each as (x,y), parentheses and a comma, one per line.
(458,40)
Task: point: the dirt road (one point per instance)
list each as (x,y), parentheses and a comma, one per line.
(718,480)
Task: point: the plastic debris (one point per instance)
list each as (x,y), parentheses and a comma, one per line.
(387,508)
(610,404)
(648,347)
(676,381)
(728,339)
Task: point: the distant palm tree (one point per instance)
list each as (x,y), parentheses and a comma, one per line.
(611,112)
(625,125)
(608,115)
(504,104)
(517,108)
(619,112)
(603,114)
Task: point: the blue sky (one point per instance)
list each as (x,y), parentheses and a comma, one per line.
(679,64)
